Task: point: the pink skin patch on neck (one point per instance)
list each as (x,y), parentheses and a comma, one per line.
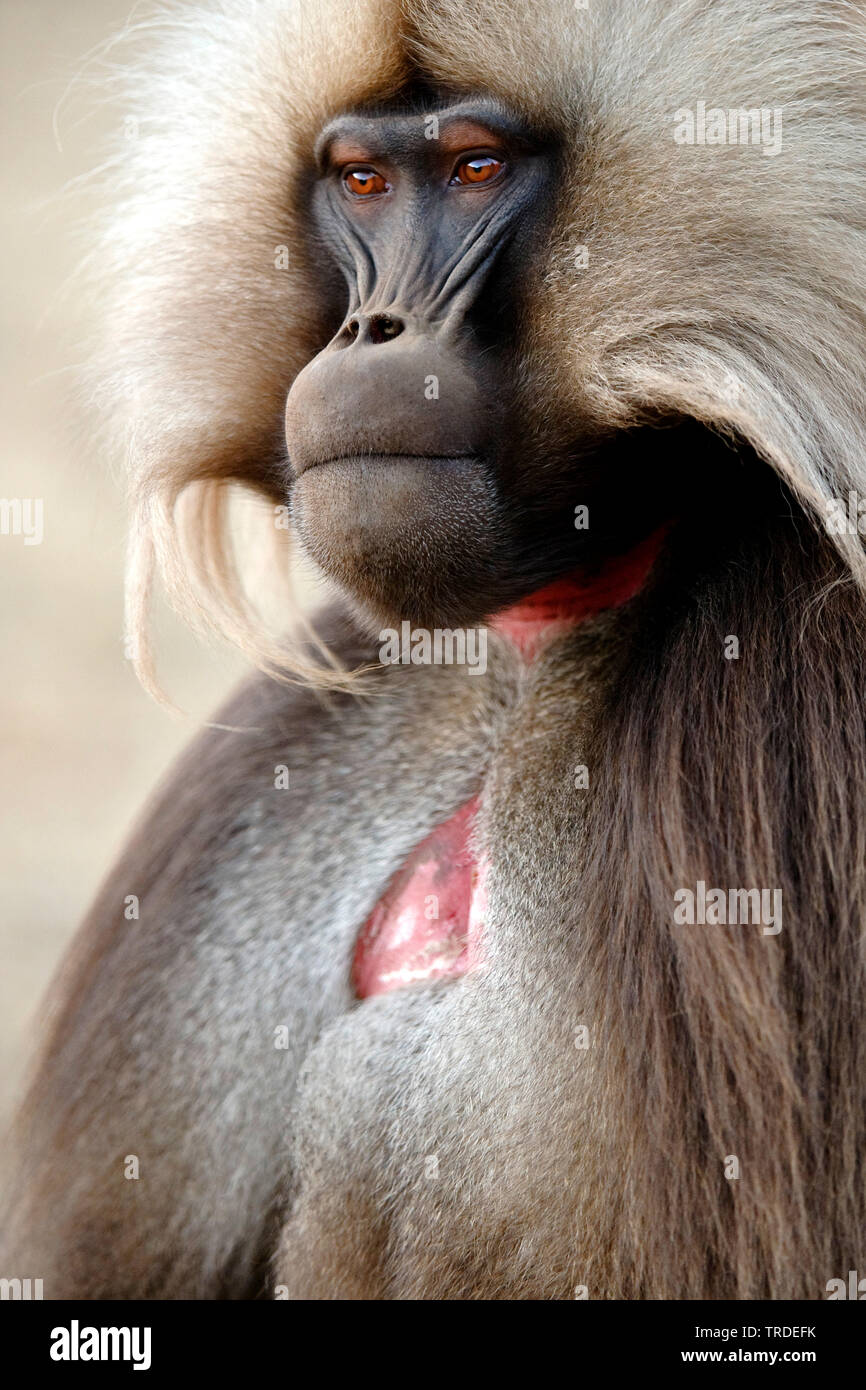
(429,922)
(552,610)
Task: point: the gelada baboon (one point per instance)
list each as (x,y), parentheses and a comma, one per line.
(543,324)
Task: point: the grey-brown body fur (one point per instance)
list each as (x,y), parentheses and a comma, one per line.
(251,899)
(554,1163)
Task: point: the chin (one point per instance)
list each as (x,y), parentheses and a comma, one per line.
(407,537)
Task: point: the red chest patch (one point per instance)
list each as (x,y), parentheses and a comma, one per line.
(429,922)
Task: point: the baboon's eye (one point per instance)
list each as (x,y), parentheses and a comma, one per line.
(365,183)
(481,168)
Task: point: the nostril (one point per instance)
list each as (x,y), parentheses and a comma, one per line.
(383,327)
(377,328)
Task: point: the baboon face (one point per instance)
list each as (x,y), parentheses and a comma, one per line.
(401,433)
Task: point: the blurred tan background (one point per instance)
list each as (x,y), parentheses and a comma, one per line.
(81,745)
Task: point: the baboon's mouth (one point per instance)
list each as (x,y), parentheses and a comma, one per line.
(373,460)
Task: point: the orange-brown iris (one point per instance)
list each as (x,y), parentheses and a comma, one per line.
(365,183)
(480,169)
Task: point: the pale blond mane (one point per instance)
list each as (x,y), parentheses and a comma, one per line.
(720,284)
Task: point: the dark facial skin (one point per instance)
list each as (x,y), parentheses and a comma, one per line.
(418,481)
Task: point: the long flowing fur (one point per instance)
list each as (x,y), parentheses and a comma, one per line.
(723,1041)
